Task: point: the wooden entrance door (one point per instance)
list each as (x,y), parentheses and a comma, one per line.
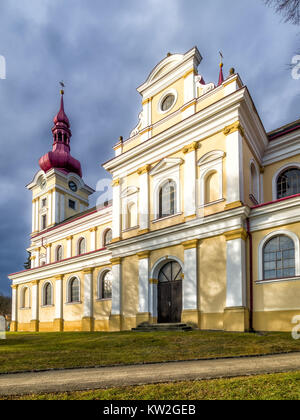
(169,293)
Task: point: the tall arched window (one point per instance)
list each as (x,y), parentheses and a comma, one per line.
(105,285)
(107,237)
(74,290)
(47,295)
(59,253)
(288,183)
(81,246)
(212,187)
(167,199)
(279,258)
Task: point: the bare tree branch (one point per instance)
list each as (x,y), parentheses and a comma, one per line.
(290,9)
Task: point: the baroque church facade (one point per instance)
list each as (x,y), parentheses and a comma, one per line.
(203,227)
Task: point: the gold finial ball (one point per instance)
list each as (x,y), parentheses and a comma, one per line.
(169,54)
(231,71)
(221,64)
(62,91)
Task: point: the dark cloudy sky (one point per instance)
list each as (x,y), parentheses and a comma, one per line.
(103,50)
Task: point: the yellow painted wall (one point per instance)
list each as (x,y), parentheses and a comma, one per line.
(179,87)
(130,284)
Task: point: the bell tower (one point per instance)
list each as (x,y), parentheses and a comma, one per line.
(58,189)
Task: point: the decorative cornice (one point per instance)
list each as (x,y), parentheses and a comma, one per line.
(189,72)
(144,169)
(190,244)
(116,261)
(115,183)
(88,270)
(60,277)
(143,231)
(188,218)
(236,126)
(236,234)
(35,282)
(190,148)
(115,240)
(188,105)
(145,130)
(69,238)
(144,254)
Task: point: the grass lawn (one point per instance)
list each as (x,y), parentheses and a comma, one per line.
(40,351)
(281,386)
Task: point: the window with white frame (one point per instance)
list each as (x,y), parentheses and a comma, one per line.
(279,258)
(167,199)
(47,294)
(81,246)
(107,237)
(74,290)
(288,183)
(166,182)
(105,285)
(59,253)
(211,177)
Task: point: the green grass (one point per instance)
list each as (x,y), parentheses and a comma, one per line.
(281,386)
(40,351)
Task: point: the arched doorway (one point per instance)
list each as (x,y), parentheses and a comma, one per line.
(169,293)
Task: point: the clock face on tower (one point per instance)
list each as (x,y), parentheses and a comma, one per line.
(72,186)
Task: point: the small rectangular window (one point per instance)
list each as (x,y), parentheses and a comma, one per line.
(44,202)
(72,204)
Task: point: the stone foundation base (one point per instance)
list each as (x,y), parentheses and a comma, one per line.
(115,323)
(142,317)
(13,326)
(58,325)
(34,325)
(87,324)
(191,317)
(236,319)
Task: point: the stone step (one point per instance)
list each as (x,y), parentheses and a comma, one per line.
(145,327)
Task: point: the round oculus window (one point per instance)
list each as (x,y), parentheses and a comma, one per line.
(167,102)
(72,186)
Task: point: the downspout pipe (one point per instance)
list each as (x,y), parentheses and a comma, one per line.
(251,275)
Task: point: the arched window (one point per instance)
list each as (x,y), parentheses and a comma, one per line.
(212,187)
(279,258)
(105,285)
(59,136)
(47,296)
(254,186)
(74,290)
(59,253)
(81,246)
(288,183)
(25,298)
(107,237)
(167,199)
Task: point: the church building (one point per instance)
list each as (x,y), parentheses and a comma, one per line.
(203,227)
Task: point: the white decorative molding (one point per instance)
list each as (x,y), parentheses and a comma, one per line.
(202,85)
(209,163)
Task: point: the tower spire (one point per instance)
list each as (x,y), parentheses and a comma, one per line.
(221,76)
(60,157)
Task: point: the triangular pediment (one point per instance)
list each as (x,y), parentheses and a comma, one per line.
(165,164)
